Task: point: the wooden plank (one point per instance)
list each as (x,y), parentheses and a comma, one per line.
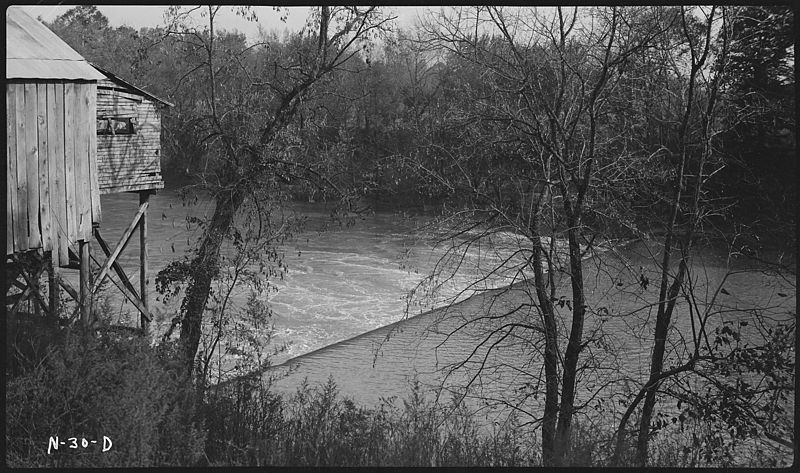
(59,191)
(111,164)
(120,142)
(93,175)
(21,210)
(11,167)
(69,161)
(122,96)
(123,242)
(22,298)
(144,280)
(85,274)
(130,180)
(126,176)
(70,290)
(83,190)
(107,148)
(146,173)
(125,156)
(32,159)
(56,180)
(132,188)
(143,138)
(44,167)
(129,186)
(53,277)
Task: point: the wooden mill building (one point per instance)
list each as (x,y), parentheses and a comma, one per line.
(73,132)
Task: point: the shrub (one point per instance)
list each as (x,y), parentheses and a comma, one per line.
(89,386)
(250,425)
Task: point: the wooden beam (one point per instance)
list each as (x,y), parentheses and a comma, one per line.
(52,282)
(127,290)
(117,268)
(45,181)
(21,210)
(23,297)
(11,169)
(14,298)
(123,241)
(134,299)
(33,284)
(32,166)
(86,294)
(70,290)
(83,188)
(92,135)
(59,190)
(69,162)
(19,285)
(144,199)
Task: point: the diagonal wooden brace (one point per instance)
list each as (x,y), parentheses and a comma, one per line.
(117,268)
(123,242)
(23,297)
(125,286)
(32,284)
(70,290)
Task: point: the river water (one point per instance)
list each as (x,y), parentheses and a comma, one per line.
(343,308)
(336,280)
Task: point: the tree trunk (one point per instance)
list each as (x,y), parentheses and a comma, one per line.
(573,346)
(550,353)
(204,268)
(657,364)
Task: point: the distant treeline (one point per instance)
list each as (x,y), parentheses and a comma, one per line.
(402,105)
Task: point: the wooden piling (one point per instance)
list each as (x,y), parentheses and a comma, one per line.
(52,284)
(86,299)
(144,198)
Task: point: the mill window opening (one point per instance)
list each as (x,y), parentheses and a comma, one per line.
(115,126)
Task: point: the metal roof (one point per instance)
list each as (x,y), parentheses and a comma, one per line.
(35,52)
(116,79)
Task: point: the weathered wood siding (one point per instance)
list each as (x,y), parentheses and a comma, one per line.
(128,162)
(50,145)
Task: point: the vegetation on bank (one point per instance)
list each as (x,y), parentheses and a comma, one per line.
(113,383)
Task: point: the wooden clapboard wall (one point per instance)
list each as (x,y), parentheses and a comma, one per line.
(128,162)
(53,195)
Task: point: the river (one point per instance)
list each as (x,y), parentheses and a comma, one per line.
(336,281)
(342,308)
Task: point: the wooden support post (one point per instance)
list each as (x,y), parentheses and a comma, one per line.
(85,302)
(144,198)
(52,282)
(34,284)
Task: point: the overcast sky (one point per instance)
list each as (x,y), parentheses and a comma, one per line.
(152,15)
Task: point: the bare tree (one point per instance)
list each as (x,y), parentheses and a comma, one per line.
(525,149)
(246,121)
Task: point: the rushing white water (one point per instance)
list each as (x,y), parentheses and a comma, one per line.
(339,281)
